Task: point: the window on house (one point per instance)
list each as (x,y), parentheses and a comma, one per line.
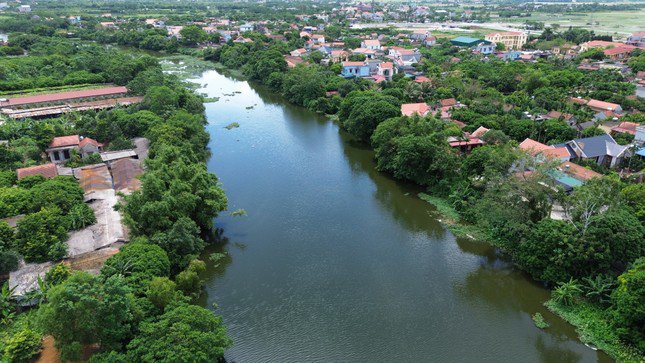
(66,154)
(56,156)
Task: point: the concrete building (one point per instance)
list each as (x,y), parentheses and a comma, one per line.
(61,148)
(512,40)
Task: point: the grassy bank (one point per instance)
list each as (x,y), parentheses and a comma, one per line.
(449,217)
(589,320)
(594,329)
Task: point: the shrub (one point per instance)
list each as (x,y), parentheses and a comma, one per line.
(22,346)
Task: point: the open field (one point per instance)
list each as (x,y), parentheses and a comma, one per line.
(621,22)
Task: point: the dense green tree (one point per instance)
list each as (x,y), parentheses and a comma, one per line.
(185,333)
(543,253)
(41,236)
(138,262)
(629,305)
(86,310)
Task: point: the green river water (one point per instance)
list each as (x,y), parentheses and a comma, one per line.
(336,262)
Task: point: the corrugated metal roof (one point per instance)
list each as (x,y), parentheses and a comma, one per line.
(114,155)
(94,178)
(125,173)
(51,97)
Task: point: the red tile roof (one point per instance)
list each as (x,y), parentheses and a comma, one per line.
(46,170)
(422,79)
(62,96)
(626,127)
(61,141)
(87,140)
(448,102)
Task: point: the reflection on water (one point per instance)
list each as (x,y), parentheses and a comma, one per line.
(337,262)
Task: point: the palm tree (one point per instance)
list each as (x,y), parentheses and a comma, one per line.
(598,289)
(567,292)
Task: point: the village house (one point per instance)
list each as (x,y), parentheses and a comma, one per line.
(373,44)
(292,61)
(298,52)
(404,58)
(466,144)
(625,128)
(430,41)
(174,31)
(368,53)
(246,27)
(602,150)
(618,53)
(386,69)
(512,40)
(419,35)
(338,56)
(485,48)
(600,106)
(108,25)
(636,39)
(411,109)
(61,148)
(543,152)
(355,69)
(318,38)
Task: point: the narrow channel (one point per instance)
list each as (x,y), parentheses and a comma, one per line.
(336,262)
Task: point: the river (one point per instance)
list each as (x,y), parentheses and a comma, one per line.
(336,262)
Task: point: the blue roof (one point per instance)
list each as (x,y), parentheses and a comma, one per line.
(641,152)
(465,40)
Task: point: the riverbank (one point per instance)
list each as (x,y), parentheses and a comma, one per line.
(451,219)
(593,329)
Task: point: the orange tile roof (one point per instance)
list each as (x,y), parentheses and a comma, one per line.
(602,105)
(409,109)
(87,140)
(626,127)
(448,102)
(61,141)
(535,147)
(578,171)
(481,131)
(46,170)
(353,64)
(532,146)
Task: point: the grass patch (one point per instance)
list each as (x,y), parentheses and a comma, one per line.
(450,218)
(539,321)
(593,328)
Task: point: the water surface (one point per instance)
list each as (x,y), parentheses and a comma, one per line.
(336,262)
